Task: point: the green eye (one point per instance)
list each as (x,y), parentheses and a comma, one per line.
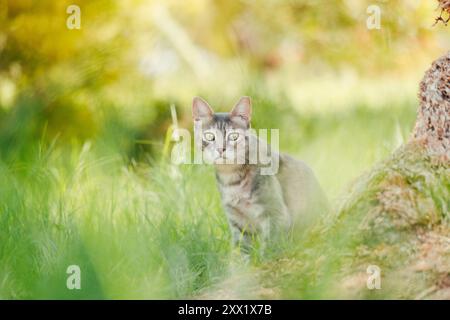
(233,136)
(208,136)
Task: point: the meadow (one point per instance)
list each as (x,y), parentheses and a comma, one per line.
(151,229)
(86,177)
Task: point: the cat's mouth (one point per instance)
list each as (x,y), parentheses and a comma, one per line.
(226,160)
(223,159)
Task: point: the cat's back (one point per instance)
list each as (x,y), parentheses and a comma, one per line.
(302,193)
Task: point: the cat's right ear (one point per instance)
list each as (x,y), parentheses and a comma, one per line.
(201,109)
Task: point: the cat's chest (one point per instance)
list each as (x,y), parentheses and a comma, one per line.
(236,188)
(236,196)
(239,197)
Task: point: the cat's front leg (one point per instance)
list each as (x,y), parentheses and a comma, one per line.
(241,238)
(246,239)
(250,227)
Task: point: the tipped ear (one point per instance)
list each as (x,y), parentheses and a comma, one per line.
(243,109)
(201,109)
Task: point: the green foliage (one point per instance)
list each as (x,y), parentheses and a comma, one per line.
(132,57)
(153,230)
(84,114)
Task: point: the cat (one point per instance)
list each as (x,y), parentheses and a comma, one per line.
(258,206)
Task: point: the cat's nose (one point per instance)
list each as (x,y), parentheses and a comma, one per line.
(221,150)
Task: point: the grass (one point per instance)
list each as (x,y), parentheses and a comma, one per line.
(147,229)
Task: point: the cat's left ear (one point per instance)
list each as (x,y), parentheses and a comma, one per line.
(201,109)
(243,109)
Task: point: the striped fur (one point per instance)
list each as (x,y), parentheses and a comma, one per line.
(256,205)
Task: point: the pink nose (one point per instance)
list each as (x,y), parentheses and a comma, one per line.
(221,150)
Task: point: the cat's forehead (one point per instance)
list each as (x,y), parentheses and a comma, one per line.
(222,117)
(224,121)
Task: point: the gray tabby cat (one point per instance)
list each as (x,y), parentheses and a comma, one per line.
(257,205)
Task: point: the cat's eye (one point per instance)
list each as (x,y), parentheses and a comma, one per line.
(208,136)
(233,136)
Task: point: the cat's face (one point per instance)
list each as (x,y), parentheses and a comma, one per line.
(222,137)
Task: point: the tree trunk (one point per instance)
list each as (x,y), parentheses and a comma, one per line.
(432,127)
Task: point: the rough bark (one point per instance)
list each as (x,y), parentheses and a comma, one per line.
(432,127)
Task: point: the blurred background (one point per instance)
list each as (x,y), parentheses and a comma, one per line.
(311,67)
(81,110)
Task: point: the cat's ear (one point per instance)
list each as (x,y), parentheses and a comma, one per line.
(201,109)
(243,109)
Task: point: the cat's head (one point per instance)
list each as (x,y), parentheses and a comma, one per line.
(222,137)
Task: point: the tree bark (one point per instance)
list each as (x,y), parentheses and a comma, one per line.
(432,127)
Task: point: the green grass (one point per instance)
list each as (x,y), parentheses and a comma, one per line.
(148,229)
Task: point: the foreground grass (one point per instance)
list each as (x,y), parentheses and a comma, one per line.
(132,237)
(153,230)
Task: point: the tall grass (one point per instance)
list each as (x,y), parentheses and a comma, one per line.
(150,229)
